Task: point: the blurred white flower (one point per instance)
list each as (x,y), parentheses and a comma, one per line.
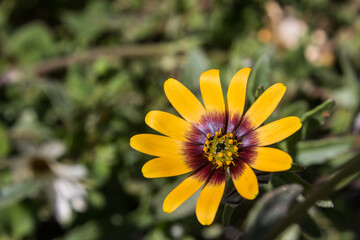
(286,29)
(290,31)
(320,50)
(60,182)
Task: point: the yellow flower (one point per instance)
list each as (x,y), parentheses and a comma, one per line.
(215,140)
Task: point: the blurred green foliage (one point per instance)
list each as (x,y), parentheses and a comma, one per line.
(87,72)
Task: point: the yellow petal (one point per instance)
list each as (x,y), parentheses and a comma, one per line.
(185,103)
(245,182)
(165,167)
(211,92)
(168,124)
(271,160)
(265,105)
(208,202)
(156,145)
(236,92)
(277,130)
(181,193)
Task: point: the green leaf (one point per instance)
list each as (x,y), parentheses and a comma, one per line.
(259,76)
(88,231)
(197,63)
(325,203)
(156,234)
(271,208)
(295,178)
(4,140)
(21,220)
(345,182)
(100,66)
(31,43)
(351,87)
(90,23)
(59,99)
(342,120)
(78,88)
(14,193)
(292,232)
(298,108)
(96,199)
(104,157)
(319,151)
(6,9)
(347,96)
(117,85)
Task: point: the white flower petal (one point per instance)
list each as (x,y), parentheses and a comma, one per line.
(73,172)
(79,189)
(65,188)
(53,149)
(60,205)
(78,204)
(64,195)
(62,209)
(74,192)
(20,169)
(25,147)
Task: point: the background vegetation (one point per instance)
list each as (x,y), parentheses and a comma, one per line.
(87,72)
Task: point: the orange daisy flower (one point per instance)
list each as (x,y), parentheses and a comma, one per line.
(214,141)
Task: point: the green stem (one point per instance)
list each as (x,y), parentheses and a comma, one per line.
(122,51)
(226,216)
(348,169)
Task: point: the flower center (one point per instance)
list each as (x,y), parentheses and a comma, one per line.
(221,149)
(39,165)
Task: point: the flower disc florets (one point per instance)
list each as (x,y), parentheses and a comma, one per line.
(221,149)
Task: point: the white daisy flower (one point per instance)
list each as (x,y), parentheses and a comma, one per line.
(60,182)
